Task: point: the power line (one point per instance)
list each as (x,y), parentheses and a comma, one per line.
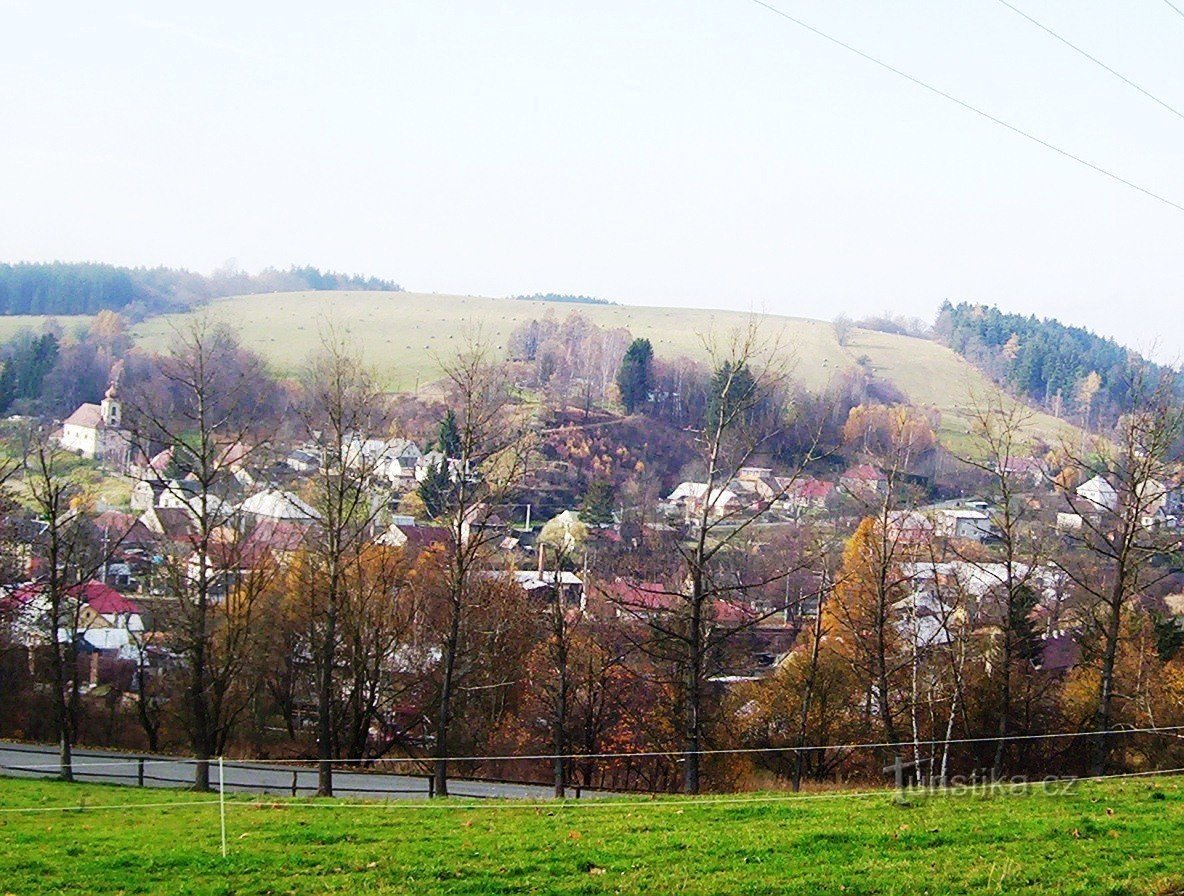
(965,105)
(1178,11)
(1095,59)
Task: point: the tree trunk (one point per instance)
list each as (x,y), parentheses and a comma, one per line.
(325,705)
(444,717)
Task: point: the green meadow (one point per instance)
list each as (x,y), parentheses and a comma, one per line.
(403,335)
(1119,837)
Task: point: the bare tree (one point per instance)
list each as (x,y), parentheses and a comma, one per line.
(1120,536)
(744,411)
(341,409)
(999,428)
(494,448)
(72,554)
(214,390)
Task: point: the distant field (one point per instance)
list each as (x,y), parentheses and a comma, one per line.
(401,334)
(12,324)
(1114,838)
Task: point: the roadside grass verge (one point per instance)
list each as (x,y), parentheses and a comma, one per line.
(1111,837)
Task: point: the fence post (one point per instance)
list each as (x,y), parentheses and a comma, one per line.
(431,786)
(222,802)
(294,773)
(140,771)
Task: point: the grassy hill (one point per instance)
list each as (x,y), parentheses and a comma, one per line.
(403,333)
(1117,837)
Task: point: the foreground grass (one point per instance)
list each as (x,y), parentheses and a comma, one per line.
(1097,838)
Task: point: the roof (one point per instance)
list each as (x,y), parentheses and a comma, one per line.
(88,415)
(123,527)
(101,598)
(176,523)
(279,535)
(865,472)
(278,505)
(641,595)
(105,600)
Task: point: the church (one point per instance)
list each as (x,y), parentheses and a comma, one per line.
(95,431)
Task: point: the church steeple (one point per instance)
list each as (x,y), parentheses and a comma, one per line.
(111,407)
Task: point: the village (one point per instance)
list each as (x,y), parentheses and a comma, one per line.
(350,578)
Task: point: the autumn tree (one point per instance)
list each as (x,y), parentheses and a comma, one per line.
(1120,540)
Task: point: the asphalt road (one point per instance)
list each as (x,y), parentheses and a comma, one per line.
(30,761)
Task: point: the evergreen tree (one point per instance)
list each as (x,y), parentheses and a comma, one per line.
(436,490)
(733,397)
(449,437)
(635,376)
(597,507)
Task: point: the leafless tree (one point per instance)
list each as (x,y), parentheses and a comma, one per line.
(495,446)
(209,420)
(743,413)
(1000,434)
(71,554)
(341,408)
(1120,535)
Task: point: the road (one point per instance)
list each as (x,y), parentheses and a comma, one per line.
(30,760)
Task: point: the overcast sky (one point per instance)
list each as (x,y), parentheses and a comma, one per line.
(699,152)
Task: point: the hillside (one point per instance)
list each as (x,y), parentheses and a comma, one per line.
(402,333)
(1109,837)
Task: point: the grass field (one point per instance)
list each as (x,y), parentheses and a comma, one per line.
(402,335)
(1113,837)
(11,324)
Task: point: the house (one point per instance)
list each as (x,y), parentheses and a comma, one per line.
(95,431)
(178,493)
(689,497)
(549,583)
(1032,470)
(863,481)
(101,617)
(1099,493)
(280,537)
(413,539)
(435,459)
(275,504)
(172,524)
(404,454)
(147,492)
(801,495)
(971,523)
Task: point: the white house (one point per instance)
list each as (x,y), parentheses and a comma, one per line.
(96,431)
(1099,493)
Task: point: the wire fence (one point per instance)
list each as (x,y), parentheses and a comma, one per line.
(395,799)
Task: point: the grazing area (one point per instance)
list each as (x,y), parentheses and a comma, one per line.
(1108,837)
(403,334)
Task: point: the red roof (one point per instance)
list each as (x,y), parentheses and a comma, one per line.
(103,599)
(641,596)
(106,600)
(865,472)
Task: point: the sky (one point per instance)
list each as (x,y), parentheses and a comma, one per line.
(702,153)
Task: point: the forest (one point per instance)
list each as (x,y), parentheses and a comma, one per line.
(1068,370)
(88,287)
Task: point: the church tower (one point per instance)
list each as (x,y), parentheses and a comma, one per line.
(111,407)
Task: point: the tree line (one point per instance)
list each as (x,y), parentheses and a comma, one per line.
(69,288)
(1068,370)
